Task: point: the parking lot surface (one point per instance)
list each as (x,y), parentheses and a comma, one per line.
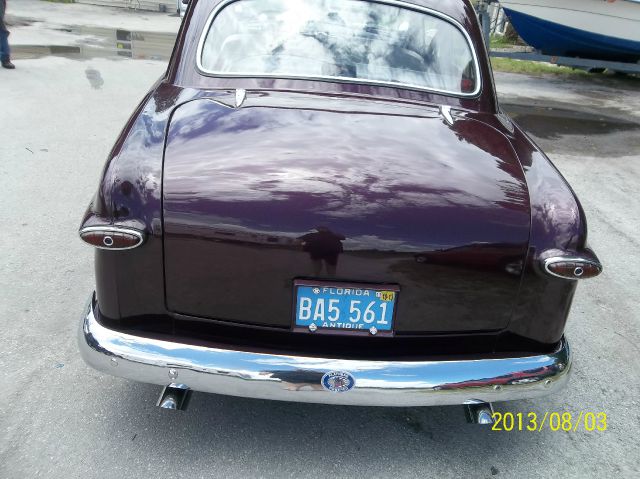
(61,111)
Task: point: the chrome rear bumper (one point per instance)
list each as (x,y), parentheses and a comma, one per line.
(299,378)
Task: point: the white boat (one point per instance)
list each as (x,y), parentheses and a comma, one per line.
(599,29)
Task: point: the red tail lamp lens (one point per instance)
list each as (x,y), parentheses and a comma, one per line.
(112,237)
(467,85)
(572,268)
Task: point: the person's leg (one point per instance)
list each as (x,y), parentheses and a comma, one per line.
(331,263)
(4,44)
(5,52)
(331,269)
(317,266)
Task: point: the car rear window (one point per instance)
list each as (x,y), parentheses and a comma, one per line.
(345,40)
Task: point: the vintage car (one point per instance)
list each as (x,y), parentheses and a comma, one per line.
(258,220)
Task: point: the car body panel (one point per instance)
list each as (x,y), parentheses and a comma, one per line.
(241,185)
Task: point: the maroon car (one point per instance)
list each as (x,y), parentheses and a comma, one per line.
(259,222)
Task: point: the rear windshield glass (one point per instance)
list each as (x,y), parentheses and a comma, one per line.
(355,40)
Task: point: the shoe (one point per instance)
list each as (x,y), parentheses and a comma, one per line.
(7,64)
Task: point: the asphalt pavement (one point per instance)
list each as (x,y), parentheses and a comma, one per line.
(60,112)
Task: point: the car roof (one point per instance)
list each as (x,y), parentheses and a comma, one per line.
(457,9)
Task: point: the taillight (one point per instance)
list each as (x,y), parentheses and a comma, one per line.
(111,237)
(467,85)
(572,267)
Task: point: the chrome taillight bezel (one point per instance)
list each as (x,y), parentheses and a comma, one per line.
(113,230)
(547,263)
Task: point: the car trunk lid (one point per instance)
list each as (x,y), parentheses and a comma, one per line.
(439,208)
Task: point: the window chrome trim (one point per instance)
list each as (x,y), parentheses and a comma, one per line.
(113,229)
(358,81)
(571,259)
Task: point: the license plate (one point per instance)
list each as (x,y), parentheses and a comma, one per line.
(344,306)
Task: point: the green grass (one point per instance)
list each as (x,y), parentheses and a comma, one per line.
(538,69)
(499,41)
(533,68)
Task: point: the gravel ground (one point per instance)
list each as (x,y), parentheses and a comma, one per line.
(59,418)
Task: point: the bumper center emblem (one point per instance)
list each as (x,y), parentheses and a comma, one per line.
(338,381)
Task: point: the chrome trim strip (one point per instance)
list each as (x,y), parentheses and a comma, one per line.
(445,111)
(506,122)
(113,229)
(557,259)
(241,96)
(397,3)
(299,378)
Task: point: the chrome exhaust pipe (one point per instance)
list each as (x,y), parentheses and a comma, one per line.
(479,413)
(175,397)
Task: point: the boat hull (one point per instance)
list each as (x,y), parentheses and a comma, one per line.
(586,28)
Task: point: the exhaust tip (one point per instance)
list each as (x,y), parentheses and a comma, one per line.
(479,413)
(168,402)
(174,397)
(484,416)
